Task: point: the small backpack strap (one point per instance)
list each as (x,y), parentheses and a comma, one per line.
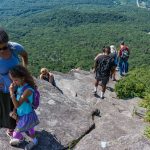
(27,87)
(24,88)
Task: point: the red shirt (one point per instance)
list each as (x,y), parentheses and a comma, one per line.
(120,51)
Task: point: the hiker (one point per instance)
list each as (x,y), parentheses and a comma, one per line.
(114,54)
(22,101)
(47,76)
(123,58)
(9,52)
(103,66)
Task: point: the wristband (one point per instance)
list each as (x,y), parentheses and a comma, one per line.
(12,95)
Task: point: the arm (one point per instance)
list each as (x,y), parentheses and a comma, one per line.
(119,53)
(113,66)
(23,97)
(95,66)
(24,57)
(97,56)
(18,49)
(41,76)
(51,77)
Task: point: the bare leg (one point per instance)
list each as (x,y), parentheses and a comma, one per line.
(113,72)
(103,88)
(103,91)
(34,142)
(96,85)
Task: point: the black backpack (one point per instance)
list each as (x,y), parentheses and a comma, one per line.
(104,65)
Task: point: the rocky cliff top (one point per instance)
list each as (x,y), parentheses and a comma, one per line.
(71,117)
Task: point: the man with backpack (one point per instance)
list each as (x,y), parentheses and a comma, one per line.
(103,66)
(123,58)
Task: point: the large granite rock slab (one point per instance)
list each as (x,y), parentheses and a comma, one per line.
(63,119)
(69,117)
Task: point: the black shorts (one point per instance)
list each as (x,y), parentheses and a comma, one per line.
(6,106)
(104,80)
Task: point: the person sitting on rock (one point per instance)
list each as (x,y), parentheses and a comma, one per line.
(47,76)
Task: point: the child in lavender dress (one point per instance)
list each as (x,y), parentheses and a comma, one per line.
(27,118)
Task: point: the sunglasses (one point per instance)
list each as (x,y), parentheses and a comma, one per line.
(4,48)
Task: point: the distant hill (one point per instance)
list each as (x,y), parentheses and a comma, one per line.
(143,3)
(43,4)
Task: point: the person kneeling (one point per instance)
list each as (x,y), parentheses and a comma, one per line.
(47,76)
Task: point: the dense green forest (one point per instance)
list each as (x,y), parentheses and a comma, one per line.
(64,35)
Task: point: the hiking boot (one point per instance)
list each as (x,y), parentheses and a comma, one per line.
(117,68)
(30,146)
(15,142)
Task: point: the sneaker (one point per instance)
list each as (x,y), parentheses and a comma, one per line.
(15,142)
(117,68)
(94,92)
(102,97)
(9,133)
(30,146)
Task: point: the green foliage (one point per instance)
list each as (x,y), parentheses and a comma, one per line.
(147,115)
(136,84)
(147,132)
(146,104)
(146,101)
(70,18)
